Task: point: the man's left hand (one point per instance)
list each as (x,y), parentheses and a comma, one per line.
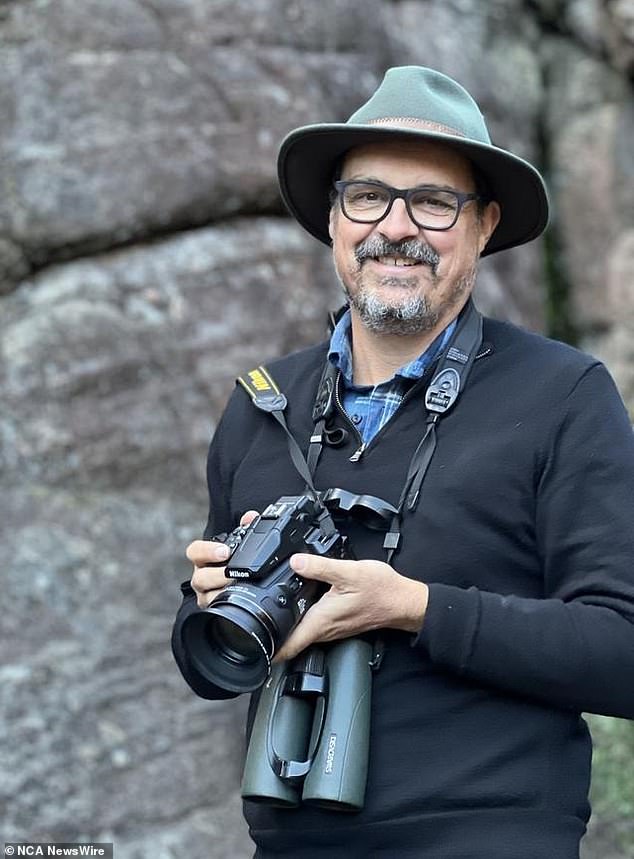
(363,595)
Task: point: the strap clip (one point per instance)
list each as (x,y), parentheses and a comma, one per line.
(443,391)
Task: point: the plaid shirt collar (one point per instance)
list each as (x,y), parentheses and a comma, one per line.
(340,353)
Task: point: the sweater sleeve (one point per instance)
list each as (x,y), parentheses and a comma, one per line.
(573,648)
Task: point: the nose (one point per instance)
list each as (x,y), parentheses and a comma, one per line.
(397,224)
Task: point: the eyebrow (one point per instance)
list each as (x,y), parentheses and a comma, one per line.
(431,185)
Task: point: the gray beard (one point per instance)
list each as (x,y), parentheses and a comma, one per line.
(415,315)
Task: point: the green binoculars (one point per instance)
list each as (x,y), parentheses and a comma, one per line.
(310,737)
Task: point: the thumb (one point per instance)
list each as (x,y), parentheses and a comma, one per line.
(333,571)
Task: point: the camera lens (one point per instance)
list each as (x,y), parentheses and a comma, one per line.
(229,645)
(237,644)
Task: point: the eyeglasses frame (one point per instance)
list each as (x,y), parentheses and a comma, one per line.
(405,194)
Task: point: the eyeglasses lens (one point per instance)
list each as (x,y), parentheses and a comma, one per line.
(430,208)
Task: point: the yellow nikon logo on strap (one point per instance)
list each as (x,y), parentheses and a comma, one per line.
(258,380)
(262,389)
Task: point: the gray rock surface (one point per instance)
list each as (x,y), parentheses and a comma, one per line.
(130,119)
(593,166)
(145,260)
(104,741)
(619,34)
(106,366)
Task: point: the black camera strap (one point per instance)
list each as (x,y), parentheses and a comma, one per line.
(266,395)
(441,396)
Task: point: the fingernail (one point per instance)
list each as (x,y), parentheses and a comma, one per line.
(222,553)
(298,563)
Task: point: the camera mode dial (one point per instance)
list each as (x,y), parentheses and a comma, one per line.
(235,538)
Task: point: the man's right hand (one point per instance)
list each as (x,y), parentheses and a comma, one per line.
(207,581)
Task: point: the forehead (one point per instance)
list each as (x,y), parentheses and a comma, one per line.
(407,163)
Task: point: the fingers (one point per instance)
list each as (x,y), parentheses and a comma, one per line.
(207,579)
(248,517)
(203,553)
(205,598)
(209,558)
(309,631)
(363,596)
(331,570)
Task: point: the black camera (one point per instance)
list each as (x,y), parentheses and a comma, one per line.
(231,642)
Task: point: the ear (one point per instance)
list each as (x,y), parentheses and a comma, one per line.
(489,221)
(331,222)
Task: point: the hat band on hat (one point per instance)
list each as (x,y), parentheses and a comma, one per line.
(414,122)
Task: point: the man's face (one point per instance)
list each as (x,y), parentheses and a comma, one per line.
(400,278)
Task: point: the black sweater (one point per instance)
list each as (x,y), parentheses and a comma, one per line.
(524,533)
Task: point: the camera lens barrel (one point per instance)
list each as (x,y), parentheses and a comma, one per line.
(232,642)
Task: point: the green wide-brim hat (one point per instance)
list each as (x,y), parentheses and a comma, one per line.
(412,103)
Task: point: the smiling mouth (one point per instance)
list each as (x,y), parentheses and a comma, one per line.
(397,261)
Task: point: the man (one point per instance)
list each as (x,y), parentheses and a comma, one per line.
(507,605)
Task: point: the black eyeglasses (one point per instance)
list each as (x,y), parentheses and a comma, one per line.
(428,207)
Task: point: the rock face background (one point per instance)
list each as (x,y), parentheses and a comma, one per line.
(145,260)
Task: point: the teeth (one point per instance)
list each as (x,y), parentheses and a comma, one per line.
(398,261)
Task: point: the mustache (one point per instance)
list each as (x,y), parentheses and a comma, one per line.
(378,246)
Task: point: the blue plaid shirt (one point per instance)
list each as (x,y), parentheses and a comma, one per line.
(370,407)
